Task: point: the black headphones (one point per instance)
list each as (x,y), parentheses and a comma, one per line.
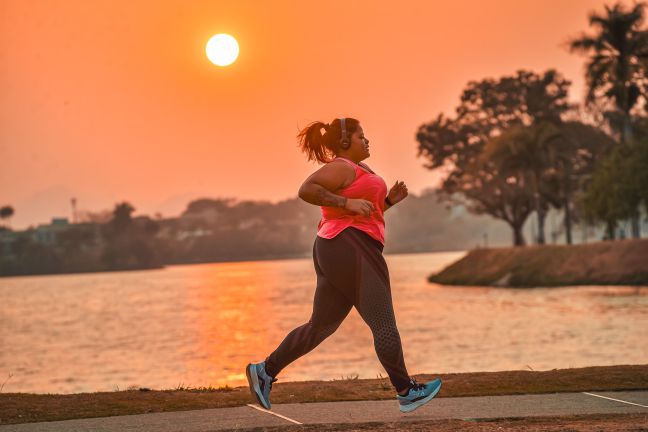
(344,141)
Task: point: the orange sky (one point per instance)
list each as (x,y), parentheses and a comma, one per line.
(115,100)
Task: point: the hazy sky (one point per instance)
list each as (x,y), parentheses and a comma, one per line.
(115,100)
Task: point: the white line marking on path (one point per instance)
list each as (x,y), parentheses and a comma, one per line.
(273,413)
(618,400)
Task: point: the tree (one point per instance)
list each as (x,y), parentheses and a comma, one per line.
(122,219)
(76,238)
(587,146)
(487,109)
(620,184)
(6,212)
(528,154)
(99,217)
(616,68)
(550,159)
(128,244)
(31,257)
(617,55)
(607,196)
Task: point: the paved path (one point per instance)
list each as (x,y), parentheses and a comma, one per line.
(554,404)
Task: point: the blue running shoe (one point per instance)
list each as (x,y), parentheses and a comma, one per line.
(419,394)
(260,383)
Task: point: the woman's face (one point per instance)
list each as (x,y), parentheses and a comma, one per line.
(359,149)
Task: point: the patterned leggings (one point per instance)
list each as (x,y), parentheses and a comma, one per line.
(351,271)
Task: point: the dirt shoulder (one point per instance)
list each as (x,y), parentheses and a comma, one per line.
(580,423)
(620,262)
(28,407)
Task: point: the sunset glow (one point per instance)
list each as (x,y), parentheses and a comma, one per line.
(222,49)
(178,127)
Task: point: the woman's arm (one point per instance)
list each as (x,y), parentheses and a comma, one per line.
(317,188)
(396,194)
(316,194)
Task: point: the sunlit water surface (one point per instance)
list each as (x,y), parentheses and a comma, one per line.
(199,325)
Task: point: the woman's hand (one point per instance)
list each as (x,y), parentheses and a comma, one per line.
(398,192)
(360,206)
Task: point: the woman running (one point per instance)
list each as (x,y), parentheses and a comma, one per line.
(347,253)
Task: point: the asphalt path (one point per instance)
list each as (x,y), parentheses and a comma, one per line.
(466,408)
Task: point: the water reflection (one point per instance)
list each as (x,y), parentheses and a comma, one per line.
(198,325)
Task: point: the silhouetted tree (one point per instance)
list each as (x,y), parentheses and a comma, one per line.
(619,186)
(128,244)
(6,212)
(100,217)
(487,109)
(122,219)
(33,258)
(550,159)
(616,66)
(616,72)
(75,238)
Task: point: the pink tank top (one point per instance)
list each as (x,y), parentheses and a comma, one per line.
(366,185)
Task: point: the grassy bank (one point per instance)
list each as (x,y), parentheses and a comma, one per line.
(622,262)
(27,407)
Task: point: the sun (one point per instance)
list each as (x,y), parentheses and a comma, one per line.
(222,49)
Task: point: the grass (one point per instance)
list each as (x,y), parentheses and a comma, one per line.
(29,407)
(181,387)
(5,381)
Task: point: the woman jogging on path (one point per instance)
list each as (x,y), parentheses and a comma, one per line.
(347,253)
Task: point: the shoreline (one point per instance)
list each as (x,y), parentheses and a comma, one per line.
(622,262)
(307,255)
(32,407)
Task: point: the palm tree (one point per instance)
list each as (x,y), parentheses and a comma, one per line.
(617,55)
(616,66)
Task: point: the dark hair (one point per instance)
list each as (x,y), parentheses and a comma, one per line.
(324,147)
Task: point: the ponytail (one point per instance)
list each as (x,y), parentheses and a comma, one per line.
(313,142)
(324,147)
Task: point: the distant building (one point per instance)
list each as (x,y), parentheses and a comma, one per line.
(46,234)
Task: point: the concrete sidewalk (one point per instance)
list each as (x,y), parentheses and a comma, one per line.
(483,407)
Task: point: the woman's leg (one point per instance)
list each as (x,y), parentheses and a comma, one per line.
(374,304)
(330,307)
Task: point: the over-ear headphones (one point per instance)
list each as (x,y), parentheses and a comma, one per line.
(344,141)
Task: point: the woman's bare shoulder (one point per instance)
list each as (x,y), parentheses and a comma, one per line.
(339,165)
(334,175)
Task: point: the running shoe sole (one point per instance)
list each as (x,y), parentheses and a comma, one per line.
(253,382)
(411,407)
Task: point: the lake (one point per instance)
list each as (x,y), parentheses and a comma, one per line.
(199,325)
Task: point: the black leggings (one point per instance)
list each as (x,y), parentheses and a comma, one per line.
(351,271)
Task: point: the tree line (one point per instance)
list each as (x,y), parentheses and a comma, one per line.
(223,229)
